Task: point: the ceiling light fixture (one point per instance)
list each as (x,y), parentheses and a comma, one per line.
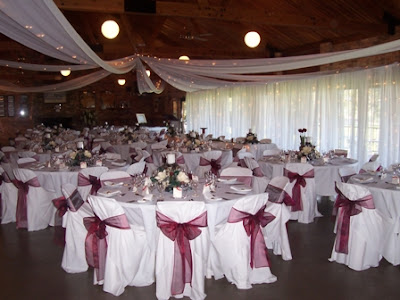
(148,73)
(121,81)
(110,29)
(252,39)
(65,72)
(184,57)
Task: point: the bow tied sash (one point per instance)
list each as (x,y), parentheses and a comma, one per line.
(214,163)
(23,189)
(278,195)
(180,160)
(252,225)
(92,180)
(96,242)
(181,234)
(349,208)
(61,205)
(296,191)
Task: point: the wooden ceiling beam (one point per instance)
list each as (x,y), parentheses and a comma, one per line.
(103,6)
(259,16)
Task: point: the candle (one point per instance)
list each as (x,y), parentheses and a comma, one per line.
(83,165)
(308,139)
(303,159)
(79,145)
(170,158)
(177,192)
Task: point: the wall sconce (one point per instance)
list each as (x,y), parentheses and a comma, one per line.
(184,57)
(121,81)
(65,72)
(252,39)
(110,29)
(57,107)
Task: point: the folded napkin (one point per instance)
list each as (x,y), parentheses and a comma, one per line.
(119,163)
(227,180)
(160,145)
(362,179)
(241,188)
(208,195)
(111,183)
(109,193)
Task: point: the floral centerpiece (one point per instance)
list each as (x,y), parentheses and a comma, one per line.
(251,138)
(48,142)
(170,176)
(171,130)
(192,139)
(128,135)
(302,137)
(78,156)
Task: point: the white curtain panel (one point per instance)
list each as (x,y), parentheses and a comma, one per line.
(40,25)
(358,111)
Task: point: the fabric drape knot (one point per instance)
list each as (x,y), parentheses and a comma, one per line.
(252,225)
(96,242)
(348,208)
(181,234)
(278,195)
(296,190)
(92,180)
(180,160)
(214,163)
(61,205)
(23,189)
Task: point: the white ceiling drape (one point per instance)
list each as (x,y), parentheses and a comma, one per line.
(40,25)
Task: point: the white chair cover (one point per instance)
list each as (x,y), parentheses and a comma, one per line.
(181,212)
(367,229)
(26,154)
(209,155)
(271,152)
(74,257)
(371,166)
(232,246)
(275,233)
(308,195)
(244,175)
(122,176)
(160,145)
(110,155)
(25,160)
(9,195)
(123,257)
(346,172)
(391,248)
(84,190)
(40,209)
(136,168)
(260,182)
(243,154)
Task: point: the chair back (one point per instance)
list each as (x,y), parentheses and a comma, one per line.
(121,176)
(136,168)
(346,172)
(244,175)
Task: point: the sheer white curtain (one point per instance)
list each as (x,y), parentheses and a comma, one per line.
(358,111)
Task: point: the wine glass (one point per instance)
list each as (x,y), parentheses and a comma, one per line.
(160,188)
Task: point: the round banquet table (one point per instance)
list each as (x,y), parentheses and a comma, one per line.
(143,212)
(386,195)
(192,159)
(53,178)
(325,175)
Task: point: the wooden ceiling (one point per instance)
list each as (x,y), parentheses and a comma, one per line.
(214,29)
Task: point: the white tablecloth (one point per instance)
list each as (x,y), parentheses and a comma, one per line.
(325,176)
(192,159)
(144,214)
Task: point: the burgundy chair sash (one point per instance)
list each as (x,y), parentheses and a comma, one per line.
(181,234)
(92,180)
(75,201)
(180,160)
(252,225)
(296,191)
(346,178)
(23,189)
(278,195)
(96,243)
(214,163)
(349,208)
(61,205)
(110,149)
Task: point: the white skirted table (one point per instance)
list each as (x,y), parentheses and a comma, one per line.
(325,175)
